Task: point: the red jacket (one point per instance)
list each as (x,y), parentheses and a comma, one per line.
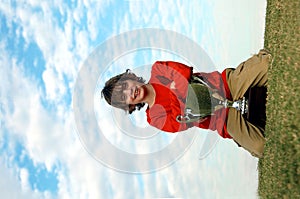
(170,81)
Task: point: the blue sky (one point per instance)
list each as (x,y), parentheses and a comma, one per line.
(44,44)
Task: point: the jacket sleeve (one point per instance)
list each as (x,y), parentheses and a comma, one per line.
(173,75)
(165,119)
(171,71)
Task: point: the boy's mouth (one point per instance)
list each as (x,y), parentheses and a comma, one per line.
(136,92)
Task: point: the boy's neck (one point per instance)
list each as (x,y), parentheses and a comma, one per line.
(151,95)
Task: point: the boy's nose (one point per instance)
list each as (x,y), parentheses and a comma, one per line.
(128,92)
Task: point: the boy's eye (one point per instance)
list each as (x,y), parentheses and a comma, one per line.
(124,85)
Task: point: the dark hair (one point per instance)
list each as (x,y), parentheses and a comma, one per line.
(112,91)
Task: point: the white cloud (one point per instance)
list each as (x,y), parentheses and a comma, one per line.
(28,120)
(54,89)
(49,138)
(82,41)
(24,177)
(56,44)
(10,185)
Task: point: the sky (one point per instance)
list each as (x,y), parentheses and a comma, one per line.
(48,145)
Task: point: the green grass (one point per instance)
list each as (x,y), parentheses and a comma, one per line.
(279,171)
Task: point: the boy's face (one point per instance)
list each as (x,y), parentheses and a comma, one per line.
(133,92)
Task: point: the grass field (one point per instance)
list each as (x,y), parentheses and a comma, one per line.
(279,170)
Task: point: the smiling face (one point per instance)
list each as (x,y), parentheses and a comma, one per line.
(130,92)
(125,91)
(133,92)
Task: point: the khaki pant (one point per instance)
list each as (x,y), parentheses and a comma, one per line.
(250,73)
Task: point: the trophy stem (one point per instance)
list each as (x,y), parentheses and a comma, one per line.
(240,105)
